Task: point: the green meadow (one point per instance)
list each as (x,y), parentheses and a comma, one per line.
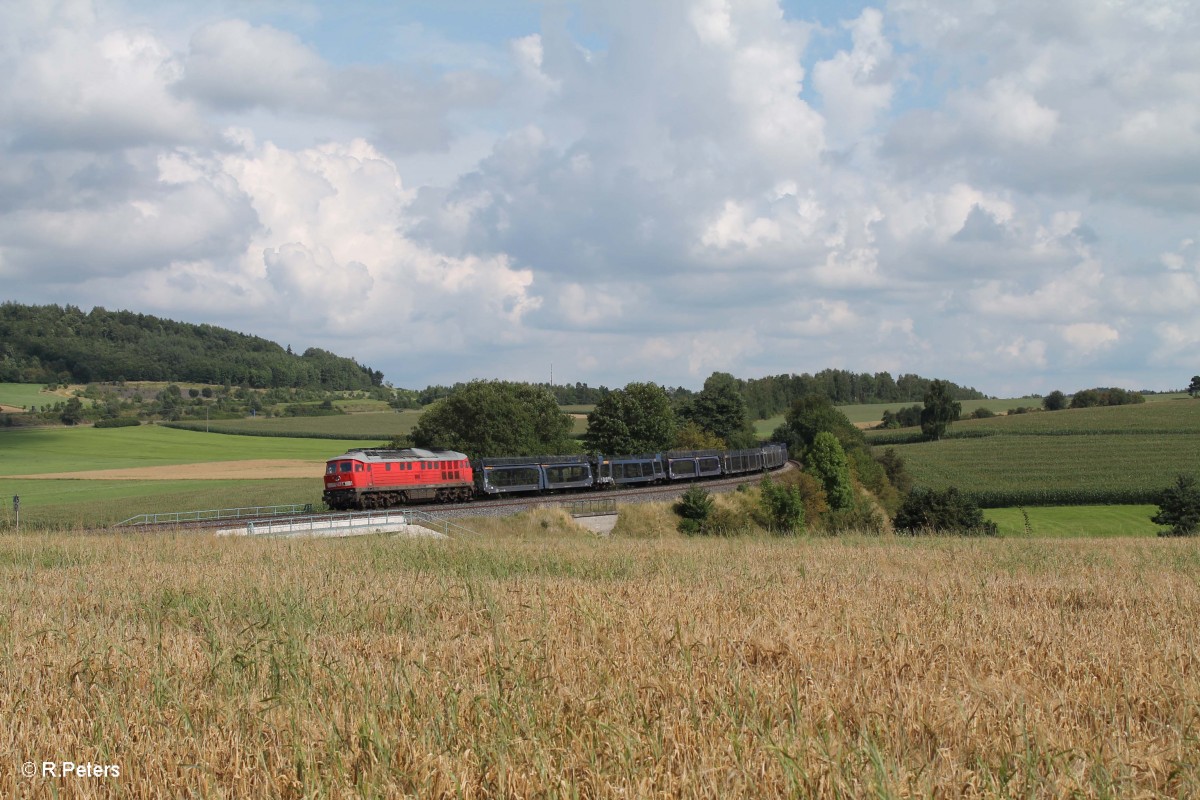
(1075,521)
(73,504)
(358,425)
(24,395)
(28,451)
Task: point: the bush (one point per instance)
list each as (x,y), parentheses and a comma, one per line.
(784,506)
(947,511)
(897,472)
(1179,507)
(862,517)
(694,506)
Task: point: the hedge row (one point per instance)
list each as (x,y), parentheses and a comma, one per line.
(1014,498)
(118,422)
(916,437)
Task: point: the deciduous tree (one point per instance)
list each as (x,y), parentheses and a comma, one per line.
(73,412)
(827,461)
(495,418)
(940,410)
(1055,401)
(720,409)
(636,419)
(811,415)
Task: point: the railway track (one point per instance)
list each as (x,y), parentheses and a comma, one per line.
(500,508)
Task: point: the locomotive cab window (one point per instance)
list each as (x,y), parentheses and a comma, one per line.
(345,466)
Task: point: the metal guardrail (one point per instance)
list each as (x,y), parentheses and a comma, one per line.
(591,508)
(217,514)
(350,521)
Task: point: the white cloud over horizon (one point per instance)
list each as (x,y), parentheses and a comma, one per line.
(629,191)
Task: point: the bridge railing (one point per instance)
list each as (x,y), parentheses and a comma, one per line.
(217,514)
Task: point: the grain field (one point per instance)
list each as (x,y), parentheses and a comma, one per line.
(539,661)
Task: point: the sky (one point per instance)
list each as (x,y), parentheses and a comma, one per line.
(1006,195)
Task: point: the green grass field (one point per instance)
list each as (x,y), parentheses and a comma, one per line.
(873,412)
(365,425)
(82,504)
(49,450)
(25,395)
(1174,417)
(1074,521)
(578,409)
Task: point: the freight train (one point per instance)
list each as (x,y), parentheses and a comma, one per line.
(376,478)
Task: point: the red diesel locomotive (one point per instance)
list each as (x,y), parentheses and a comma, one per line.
(383,478)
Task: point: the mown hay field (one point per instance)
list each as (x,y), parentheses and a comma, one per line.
(536,660)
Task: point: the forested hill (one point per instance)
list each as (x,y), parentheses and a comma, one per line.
(47,344)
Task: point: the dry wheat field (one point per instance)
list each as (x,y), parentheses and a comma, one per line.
(536,660)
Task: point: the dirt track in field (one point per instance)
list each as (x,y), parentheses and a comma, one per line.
(211,471)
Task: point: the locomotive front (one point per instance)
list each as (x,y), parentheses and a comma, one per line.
(344,480)
(378,478)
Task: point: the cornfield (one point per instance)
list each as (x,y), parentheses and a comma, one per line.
(1055,469)
(539,661)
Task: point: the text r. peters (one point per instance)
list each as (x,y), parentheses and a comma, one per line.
(69,769)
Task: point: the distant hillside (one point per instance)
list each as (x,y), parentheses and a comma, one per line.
(775,394)
(47,344)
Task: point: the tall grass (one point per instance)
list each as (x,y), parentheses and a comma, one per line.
(536,660)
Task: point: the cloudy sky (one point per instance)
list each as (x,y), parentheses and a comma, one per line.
(1003,194)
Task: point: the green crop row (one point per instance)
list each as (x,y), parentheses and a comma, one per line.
(1112,468)
(1012,498)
